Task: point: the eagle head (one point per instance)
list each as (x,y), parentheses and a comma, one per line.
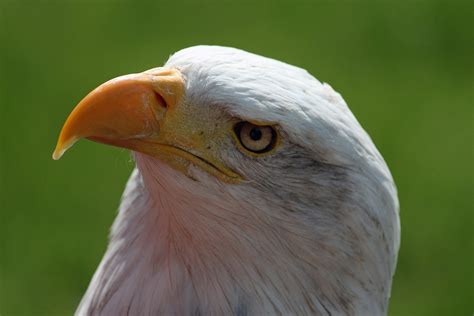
(255,192)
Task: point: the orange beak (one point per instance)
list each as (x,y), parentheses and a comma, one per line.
(144,112)
(124,112)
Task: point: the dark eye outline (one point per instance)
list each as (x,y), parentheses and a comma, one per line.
(270,146)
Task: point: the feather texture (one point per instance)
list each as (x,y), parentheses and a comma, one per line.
(314,229)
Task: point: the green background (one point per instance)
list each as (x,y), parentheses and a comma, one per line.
(405,69)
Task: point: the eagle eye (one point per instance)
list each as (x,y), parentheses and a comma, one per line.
(257,139)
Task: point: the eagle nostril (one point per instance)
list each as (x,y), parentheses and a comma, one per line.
(161,101)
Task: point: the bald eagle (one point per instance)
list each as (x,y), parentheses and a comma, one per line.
(255,192)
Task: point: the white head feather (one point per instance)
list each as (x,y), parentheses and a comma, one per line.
(314,229)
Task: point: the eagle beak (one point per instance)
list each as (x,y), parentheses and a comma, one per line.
(144,112)
(124,112)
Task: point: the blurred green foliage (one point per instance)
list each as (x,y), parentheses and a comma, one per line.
(405,68)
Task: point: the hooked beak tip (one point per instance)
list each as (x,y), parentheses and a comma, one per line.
(62,147)
(57,154)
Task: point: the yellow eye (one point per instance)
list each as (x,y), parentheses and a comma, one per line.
(255,138)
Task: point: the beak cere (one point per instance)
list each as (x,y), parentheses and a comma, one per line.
(124,112)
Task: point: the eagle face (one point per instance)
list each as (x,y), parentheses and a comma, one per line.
(256,192)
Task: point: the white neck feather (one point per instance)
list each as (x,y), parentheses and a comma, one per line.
(179,249)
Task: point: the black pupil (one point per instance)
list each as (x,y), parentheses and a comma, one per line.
(255,134)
